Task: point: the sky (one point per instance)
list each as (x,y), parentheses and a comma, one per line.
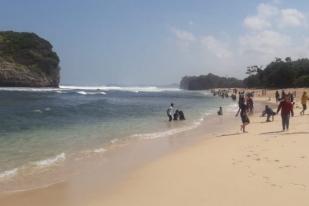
(138,42)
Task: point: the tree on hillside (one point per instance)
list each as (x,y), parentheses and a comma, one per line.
(279,74)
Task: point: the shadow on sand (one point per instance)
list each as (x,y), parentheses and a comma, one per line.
(231,134)
(291,133)
(283,133)
(269,133)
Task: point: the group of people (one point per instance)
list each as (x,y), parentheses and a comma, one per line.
(285,108)
(174,114)
(283,95)
(246,107)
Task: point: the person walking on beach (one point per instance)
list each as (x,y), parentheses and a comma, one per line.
(243,109)
(304,99)
(291,97)
(277,95)
(286,108)
(282,94)
(170,112)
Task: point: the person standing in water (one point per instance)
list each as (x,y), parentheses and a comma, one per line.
(243,109)
(286,108)
(304,99)
(220,112)
(170,112)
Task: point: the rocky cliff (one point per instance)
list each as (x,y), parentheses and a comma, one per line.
(26,60)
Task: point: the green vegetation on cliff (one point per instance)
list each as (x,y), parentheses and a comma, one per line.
(279,74)
(26,60)
(208,82)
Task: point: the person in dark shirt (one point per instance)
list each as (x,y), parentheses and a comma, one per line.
(250,104)
(243,109)
(220,111)
(286,108)
(277,96)
(181,115)
(282,94)
(269,112)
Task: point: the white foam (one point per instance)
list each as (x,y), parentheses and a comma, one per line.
(50,161)
(232,107)
(82,92)
(167,133)
(8,173)
(116,88)
(99,150)
(62,88)
(113,141)
(37,111)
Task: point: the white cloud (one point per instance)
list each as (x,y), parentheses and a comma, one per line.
(215,46)
(187,40)
(262,20)
(269,15)
(256,23)
(264,43)
(292,18)
(267,10)
(184,35)
(269,33)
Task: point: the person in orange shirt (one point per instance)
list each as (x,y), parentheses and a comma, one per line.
(304,99)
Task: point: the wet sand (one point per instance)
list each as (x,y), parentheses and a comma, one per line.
(98,176)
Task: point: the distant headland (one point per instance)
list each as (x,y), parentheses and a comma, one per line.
(279,73)
(27,60)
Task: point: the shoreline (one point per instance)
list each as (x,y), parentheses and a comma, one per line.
(262,167)
(126,158)
(110,195)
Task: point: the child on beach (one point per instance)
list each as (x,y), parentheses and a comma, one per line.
(286,108)
(243,109)
(304,99)
(269,112)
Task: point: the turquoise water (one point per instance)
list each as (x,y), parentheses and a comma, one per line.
(43,127)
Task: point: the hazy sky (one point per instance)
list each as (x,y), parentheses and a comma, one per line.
(139,42)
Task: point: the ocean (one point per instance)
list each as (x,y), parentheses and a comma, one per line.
(45,128)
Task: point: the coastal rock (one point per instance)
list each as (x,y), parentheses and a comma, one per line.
(27,60)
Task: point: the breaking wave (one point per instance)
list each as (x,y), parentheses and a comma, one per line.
(51,161)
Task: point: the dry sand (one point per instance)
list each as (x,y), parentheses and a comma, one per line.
(262,167)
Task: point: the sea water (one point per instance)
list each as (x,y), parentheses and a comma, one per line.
(41,128)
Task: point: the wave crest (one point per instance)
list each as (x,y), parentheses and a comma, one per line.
(51,161)
(8,173)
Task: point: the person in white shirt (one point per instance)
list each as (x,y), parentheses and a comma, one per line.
(170,112)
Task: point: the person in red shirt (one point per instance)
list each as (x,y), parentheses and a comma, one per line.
(286,108)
